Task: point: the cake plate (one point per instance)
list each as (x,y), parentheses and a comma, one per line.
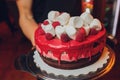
(42,71)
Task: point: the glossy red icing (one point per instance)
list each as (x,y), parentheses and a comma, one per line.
(73,48)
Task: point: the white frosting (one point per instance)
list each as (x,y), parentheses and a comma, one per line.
(87,29)
(63,18)
(69,24)
(52,15)
(49,29)
(59,30)
(76,22)
(71,31)
(43,26)
(87,17)
(96,24)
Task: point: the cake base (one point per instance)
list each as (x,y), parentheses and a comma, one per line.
(71,65)
(93,71)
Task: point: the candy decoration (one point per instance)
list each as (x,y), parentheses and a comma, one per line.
(65,38)
(55,23)
(80,35)
(49,36)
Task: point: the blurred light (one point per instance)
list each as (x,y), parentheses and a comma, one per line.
(87,10)
(88,0)
(116,13)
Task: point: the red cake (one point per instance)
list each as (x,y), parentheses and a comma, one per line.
(70,42)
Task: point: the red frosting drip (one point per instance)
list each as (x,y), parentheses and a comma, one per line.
(73,48)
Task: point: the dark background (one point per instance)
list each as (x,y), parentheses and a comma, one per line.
(13,43)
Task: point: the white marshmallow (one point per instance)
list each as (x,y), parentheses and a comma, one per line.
(87,29)
(43,26)
(76,21)
(96,24)
(52,15)
(87,17)
(49,29)
(71,32)
(63,18)
(59,30)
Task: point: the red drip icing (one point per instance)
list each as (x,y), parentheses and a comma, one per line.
(73,48)
(58,55)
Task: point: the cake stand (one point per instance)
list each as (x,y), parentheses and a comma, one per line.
(41,72)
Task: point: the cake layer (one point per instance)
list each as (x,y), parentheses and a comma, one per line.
(72,65)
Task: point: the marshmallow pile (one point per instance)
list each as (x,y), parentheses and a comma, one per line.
(66,28)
